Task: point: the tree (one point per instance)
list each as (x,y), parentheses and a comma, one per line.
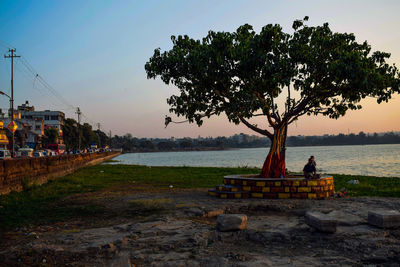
(246,74)
(102,138)
(70,133)
(51,136)
(88,136)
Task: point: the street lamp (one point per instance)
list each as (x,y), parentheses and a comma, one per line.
(12,119)
(2,93)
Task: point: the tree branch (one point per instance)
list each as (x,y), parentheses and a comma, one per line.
(201,116)
(297,109)
(269,117)
(288,99)
(255,128)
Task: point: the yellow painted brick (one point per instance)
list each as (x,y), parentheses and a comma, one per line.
(244,182)
(277,183)
(303,189)
(258,195)
(223,196)
(220,188)
(238,195)
(296,183)
(312,183)
(312,195)
(260,183)
(232,181)
(234,189)
(247,188)
(266,189)
(283,195)
(287,189)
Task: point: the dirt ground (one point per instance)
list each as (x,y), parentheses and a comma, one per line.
(177,228)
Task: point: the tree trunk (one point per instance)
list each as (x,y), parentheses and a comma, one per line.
(274,165)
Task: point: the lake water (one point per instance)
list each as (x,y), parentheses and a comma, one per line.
(375,160)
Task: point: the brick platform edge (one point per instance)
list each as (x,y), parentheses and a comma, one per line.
(18,172)
(237,186)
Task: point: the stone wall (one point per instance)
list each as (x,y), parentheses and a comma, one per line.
(238,186)
(16,173)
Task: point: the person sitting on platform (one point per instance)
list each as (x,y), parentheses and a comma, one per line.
(309,169)
(313,160)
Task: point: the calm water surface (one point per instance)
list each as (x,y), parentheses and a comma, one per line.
(375,160)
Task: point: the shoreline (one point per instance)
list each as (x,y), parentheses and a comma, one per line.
(237,148)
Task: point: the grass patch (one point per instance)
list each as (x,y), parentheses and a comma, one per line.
(149,206)
(110,160)
(368,185)
(38,204)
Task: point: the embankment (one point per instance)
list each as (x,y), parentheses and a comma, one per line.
(17,173)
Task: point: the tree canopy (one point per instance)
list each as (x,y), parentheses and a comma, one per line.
(242,73)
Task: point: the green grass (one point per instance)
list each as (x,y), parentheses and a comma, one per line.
(368,185)
(149,206)
(41,204)
(110,161)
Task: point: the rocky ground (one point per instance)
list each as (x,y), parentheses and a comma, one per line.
(177,228)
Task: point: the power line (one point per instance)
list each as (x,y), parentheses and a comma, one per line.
(32,78)
(29,78)
(6,45)
(44,83)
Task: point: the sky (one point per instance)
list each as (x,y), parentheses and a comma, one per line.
(93,53)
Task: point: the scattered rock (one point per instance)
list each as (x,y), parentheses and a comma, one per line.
(213,213)
(194,212)
(384,218)
(321,222)
(231,222)
(217,261)
(346,219)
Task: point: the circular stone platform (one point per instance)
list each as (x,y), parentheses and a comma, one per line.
(246,186)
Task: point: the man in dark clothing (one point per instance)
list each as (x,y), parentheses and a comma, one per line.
(309,169)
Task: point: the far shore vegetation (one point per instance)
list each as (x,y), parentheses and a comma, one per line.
(129,143)
(53,201)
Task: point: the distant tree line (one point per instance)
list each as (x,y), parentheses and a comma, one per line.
(128,143)
(134,144)
(71,131)
(342,139)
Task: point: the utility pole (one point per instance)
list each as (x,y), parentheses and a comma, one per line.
(12,56)
(110,139)
(78,111)
(98,133)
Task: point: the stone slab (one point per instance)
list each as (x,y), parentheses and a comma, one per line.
(231,222)
(384,218)
(321,222)
(346,219)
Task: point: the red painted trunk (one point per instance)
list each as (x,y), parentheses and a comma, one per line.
(274,165)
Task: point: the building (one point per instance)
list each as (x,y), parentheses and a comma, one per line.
(32,124)
(29,132)
(3,137)
(51,119)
